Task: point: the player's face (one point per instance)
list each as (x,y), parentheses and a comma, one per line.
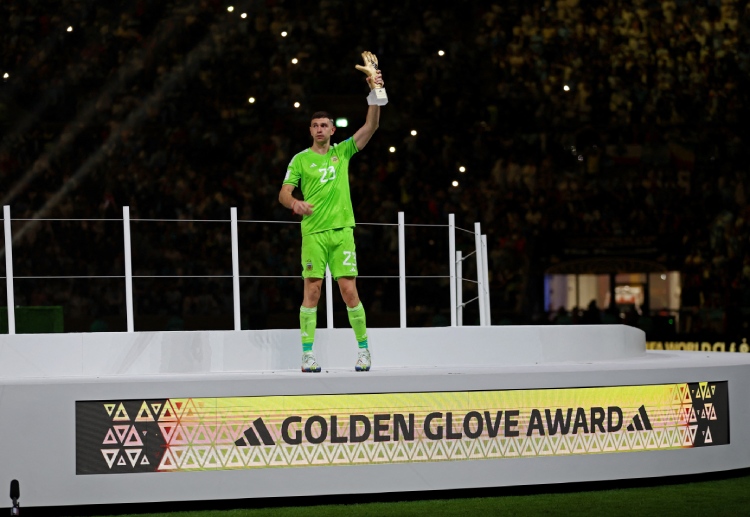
(321,130)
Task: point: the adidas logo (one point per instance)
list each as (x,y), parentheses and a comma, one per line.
(313,165)
(304,334)
(250,438)
(640,421)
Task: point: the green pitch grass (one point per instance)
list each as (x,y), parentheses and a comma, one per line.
(719,497)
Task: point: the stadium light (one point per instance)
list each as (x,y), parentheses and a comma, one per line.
(342,122)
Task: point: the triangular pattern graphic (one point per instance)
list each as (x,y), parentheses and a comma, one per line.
(110,439)
(189,429)
(179,437)
(609,443)
(133,439)
(109,408)
(121,431)
(144,414)
(223,451)
(596,443)
(133,455)
(178,454)
(121,462)
(708,438)
(167,430)
(202,436)
(110,455)
(511,450)
(201,452)
(288,453)
(167,461)
(189,413)
(167,413)
(341,456)
(420,452)
(299,457)
(121,414)
(554,443)
(212,460)
(564,446)
(235,459)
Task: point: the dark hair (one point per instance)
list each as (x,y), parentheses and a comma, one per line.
(321,114)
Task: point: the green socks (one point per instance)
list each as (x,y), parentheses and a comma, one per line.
(308,320)
(359,323)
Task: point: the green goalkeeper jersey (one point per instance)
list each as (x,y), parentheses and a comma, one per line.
(324,181)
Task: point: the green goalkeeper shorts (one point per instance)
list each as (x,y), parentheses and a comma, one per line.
(332,247)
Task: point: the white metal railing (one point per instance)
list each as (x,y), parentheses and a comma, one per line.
(456,259)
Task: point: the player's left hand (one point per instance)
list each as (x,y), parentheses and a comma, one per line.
(370,68)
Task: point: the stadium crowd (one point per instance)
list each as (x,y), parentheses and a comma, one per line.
(601,119)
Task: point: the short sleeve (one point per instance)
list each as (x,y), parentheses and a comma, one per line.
(292,175)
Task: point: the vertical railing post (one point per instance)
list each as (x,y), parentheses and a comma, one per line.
(480,273)
(452,264)
(128,268)
(485,262)
(459,289)
(9,271)
(329,298)
(236,270)
(402,269)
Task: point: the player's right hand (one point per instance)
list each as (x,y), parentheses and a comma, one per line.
(302,207)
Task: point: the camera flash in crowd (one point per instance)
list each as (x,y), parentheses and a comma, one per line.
(441,53)
(251,100)
(70,28)
(296,105)
(283,34)
(294,61)
(243,15)
(566,88)
(342,122)
(392,149)
(6,75)
(230,8)
(454,183)
(462,169)
(413,132)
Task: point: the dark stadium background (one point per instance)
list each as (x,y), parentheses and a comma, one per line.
(640,166)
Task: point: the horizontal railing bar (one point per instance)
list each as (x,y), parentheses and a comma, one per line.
(65,220)
(72,277)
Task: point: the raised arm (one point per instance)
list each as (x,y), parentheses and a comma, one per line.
(374,81)
(363,134)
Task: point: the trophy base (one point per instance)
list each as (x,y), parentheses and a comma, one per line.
(377,97)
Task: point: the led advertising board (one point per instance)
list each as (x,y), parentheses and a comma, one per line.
(199,434)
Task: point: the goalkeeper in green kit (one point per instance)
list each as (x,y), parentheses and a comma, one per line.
(322,173)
